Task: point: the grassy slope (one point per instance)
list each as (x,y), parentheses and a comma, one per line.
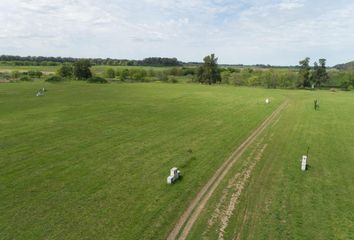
(280,201)
(90,161)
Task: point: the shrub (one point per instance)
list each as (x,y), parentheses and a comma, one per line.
(26,79)
(15,74)
(97,80)
(124,74)
(110,73)
(54,79)
(35,74)
(137,74)
(173,80)
(163,77)
(65,71)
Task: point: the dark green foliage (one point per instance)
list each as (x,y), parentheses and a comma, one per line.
(319,73)
(26,79)
(187,71)
(304,80)
(66,71)
(157,61)
(54,61)
(82,69)
(97,80)
(209,72)
(55,79)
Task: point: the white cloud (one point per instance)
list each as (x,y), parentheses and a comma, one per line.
(254,31)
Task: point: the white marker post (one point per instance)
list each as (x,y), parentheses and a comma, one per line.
(303,163)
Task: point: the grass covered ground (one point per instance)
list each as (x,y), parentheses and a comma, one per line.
(275,200)
(90,161)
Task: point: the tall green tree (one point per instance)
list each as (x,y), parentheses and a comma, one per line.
(322,72)
(304,73)
(319,74)
(209,72)
(82,69)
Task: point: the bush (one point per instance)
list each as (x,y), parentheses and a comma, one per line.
(26,79)
(124,74)
(97,80)
(65,71)
(35,74)
(110,73)
(173,80)
(54,79)
(15,74)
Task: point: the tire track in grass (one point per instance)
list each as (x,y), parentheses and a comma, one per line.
(190,215)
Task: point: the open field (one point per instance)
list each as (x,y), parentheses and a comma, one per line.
(266,196)
(91,161)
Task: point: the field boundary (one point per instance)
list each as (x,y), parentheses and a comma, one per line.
(190,215)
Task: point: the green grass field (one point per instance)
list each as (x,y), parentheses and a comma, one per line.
(90,161)
(279,201)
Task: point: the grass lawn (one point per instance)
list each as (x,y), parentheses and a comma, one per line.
(278,201)
(90,161)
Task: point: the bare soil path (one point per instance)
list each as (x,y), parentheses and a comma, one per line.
(190,215)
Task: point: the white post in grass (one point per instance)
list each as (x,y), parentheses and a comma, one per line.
(303,163)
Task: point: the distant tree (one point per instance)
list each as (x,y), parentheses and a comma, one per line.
(304,73)
(319,74)
(322,72)
(314,74)
(110,73)
(82,69)
(65,71)
(209,72)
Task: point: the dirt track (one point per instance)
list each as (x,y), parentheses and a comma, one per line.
(190,215)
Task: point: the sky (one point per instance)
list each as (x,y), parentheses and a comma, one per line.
(277,32)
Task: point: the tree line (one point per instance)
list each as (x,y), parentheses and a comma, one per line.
(209,72)
(54,61)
